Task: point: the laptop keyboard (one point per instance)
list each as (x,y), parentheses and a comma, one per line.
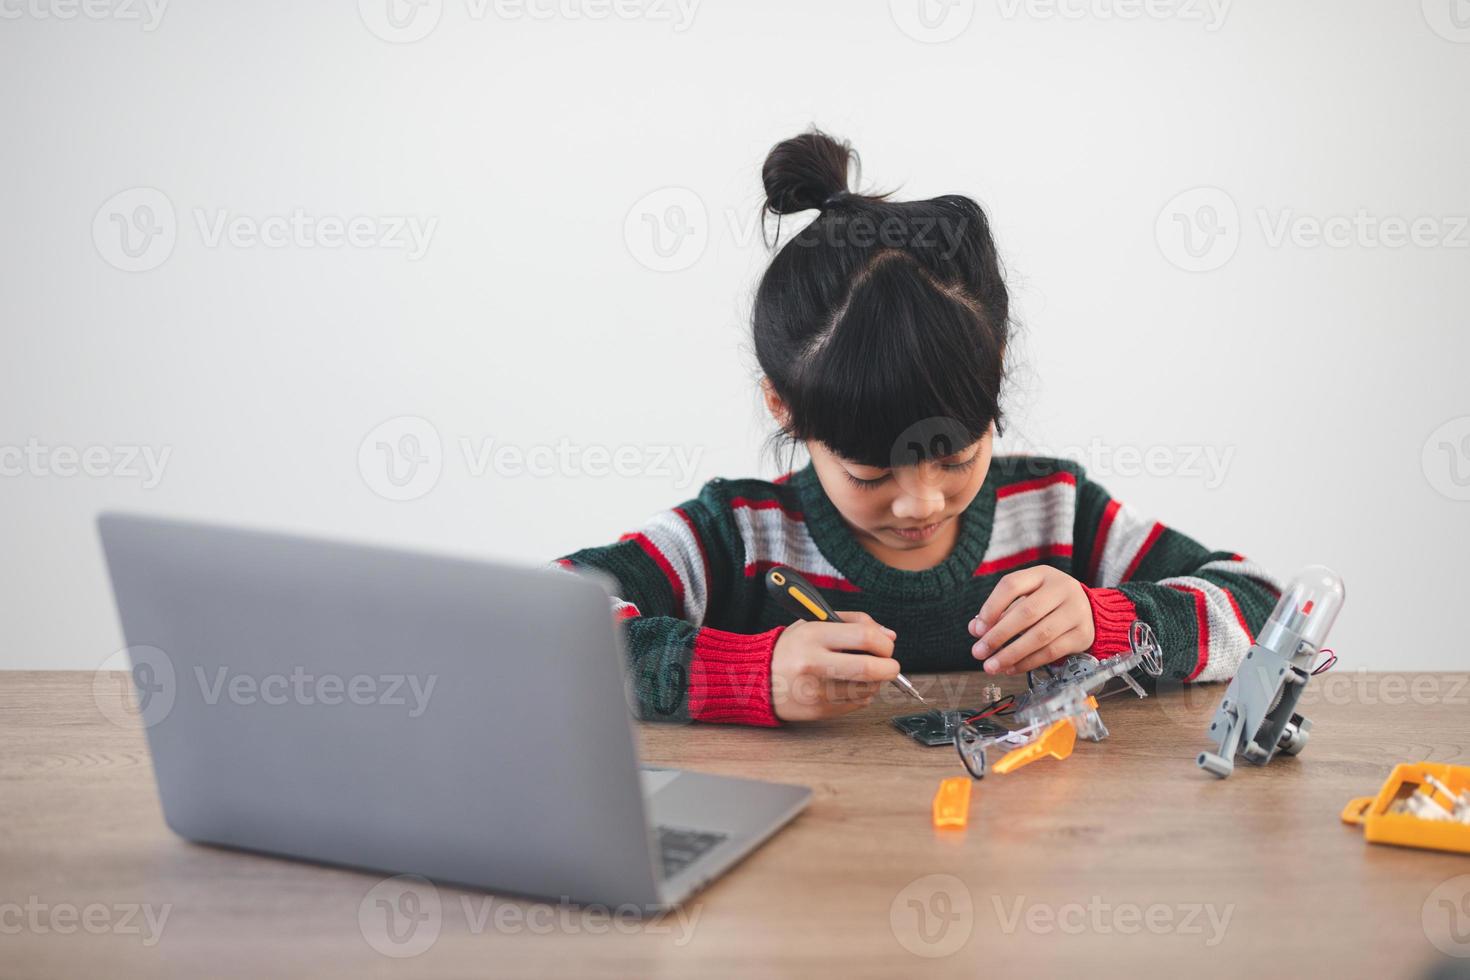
(679,848)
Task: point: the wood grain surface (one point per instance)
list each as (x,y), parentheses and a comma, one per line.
(1123,858)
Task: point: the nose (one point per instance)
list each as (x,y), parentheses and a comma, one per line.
(918,503)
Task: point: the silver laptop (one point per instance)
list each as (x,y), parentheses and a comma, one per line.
(460,720)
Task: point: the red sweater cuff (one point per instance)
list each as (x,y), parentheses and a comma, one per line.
(730,677)
(1112,621)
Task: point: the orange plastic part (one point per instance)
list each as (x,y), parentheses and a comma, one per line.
(1405,829)
(952,802)
(1057,741)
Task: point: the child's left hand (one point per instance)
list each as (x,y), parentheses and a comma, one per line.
(1042,611)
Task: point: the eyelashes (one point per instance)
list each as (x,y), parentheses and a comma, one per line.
(862,484)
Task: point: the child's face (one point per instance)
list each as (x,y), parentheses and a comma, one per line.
(906,508)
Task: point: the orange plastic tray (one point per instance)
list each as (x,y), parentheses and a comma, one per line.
(1382,827)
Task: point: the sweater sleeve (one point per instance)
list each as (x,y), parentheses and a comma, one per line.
(1205,606)
(673,578)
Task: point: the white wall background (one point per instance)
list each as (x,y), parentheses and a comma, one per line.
(1324,375)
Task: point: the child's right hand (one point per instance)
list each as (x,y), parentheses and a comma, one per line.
(822,670)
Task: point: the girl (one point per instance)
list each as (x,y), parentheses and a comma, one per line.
(882,332)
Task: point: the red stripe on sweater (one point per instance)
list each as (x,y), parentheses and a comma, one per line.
(650,549)
(1240,616)
(1022,557)
(1037,484)
(749,504)
(784,477)
(1201,615)
(758,568)
(1143,549)
(625,610)
(1100,541)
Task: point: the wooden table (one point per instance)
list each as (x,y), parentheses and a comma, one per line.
(1123,858)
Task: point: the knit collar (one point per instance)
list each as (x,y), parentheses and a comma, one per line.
(835,540)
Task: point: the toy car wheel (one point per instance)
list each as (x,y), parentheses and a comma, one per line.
(1294,738)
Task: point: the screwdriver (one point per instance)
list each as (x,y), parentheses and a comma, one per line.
(798,597)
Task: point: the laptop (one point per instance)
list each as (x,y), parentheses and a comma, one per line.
(461,720)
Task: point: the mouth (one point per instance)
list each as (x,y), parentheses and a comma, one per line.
(920,533)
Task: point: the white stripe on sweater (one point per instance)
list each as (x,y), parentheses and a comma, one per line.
(1126,535)
(1228,640)
(674,539)
(1032,519)
(770,536)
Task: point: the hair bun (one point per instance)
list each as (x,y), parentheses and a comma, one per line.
(806,172)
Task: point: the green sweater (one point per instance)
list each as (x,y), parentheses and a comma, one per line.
(700,628)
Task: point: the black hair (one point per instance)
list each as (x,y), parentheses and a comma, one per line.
(878,315)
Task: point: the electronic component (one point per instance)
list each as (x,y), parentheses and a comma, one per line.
(939,727)
(1257,716)
(1060,706)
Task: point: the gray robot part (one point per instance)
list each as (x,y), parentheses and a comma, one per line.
(1257,717)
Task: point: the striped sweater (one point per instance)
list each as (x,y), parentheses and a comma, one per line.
(700,628)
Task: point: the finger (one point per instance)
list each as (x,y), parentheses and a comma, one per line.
(857,637)
(840,691)
(1010,588)
(1051,627)
(854,616)
(1068,643)
(852,667)
(1024,613)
